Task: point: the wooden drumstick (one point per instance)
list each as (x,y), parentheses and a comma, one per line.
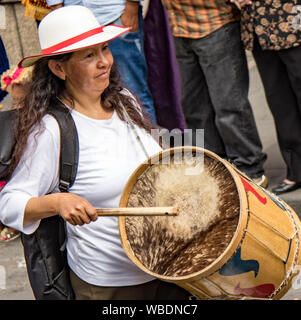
(138,211)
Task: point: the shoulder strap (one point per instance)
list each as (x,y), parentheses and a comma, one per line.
(69,146)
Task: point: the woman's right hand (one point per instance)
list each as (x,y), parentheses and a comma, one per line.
(75,210)
(72,208)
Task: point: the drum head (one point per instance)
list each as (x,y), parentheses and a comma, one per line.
(205,192)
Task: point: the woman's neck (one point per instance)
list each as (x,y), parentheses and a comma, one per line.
(91,108)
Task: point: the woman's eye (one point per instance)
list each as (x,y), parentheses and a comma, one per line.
(89,55)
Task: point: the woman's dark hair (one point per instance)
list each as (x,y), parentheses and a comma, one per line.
(45,87)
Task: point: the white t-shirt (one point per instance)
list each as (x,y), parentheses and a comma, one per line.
(108,155)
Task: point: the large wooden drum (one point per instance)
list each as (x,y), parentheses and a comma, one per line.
(231,239)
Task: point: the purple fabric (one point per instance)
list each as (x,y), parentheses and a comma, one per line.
(163,73)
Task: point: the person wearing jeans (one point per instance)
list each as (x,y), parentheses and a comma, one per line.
(128,51)
(215,82)
(129,56)
(4,65)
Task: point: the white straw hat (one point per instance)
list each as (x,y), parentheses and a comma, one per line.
(69,29)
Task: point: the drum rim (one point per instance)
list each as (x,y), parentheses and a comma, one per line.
(237,236)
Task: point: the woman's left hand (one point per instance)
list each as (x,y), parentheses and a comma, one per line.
(242,3)
(129,18)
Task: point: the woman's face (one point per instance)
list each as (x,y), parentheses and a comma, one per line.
(88,70)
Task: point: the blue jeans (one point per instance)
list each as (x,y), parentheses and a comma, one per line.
(4,65)
(215,83)
(128,54)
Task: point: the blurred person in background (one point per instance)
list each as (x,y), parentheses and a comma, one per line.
(215,81)
(272,31)
(4,65)
(13,81)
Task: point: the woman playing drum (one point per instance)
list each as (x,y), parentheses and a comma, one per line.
(76,67)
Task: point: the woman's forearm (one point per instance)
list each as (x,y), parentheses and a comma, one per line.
(41,207)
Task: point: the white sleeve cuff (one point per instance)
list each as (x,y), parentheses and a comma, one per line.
(15,219)
(31,228)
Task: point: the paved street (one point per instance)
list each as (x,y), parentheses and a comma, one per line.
(11,254)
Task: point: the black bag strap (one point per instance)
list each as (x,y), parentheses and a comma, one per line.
(69,152)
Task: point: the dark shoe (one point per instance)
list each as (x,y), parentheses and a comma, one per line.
(285,187)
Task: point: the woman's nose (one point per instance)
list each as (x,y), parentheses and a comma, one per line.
(103,60)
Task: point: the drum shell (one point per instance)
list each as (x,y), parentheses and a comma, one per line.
(259,263)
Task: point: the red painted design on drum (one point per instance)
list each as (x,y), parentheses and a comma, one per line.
(261,291)
(248,187)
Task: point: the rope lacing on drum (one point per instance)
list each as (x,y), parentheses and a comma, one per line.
(284,260)
(288,275)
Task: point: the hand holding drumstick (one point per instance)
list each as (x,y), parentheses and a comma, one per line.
(78,211)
